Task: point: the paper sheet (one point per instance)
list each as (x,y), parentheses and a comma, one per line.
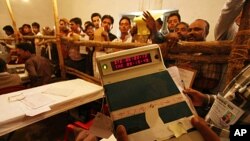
(156,124)
(32,112)
(177,128)
(35,101)
(102,126)
(59,91)
(111,138)
(187,76)
(174,73)
(224,113)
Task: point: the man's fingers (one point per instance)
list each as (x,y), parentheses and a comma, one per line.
(207,133)
(149,14)
(121,133)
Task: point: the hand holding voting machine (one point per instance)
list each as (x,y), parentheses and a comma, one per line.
(144,97)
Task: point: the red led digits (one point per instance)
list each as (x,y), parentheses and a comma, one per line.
(130,61)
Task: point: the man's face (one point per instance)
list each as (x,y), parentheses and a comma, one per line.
(8,33)
(90,31)
(74,27)
(74,54)
(35,29)
(172,21)
(26,30)
(107,24)
(21,53)
(96,21)
(197,31)
(124,26)
(182,31)
(62,24)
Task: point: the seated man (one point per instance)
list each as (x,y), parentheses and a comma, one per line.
(38,67)
(7,79)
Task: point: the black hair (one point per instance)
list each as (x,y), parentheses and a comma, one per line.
(108,17)
(88,25)
(125,17)
(78,21)
(87,22)
(95,14)
(27,25)
(25,46)
(184,23)
(175,14)
(159,21)
(8,28)
(36,24)
(3,66)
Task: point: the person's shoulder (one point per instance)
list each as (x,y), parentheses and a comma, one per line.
(112,36)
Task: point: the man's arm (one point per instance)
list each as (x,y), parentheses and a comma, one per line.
(157,37)
(30,67)
(225,27)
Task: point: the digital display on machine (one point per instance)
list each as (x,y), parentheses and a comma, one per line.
(131,61)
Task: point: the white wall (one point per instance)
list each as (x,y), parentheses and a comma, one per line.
(41,11)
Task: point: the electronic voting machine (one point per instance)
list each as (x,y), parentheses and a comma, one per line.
(143,97)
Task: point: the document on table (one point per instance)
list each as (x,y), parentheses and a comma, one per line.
(36,103)
(58,91)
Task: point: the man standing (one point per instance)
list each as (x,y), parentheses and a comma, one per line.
(208,74)
(198,30)
(124,27)
(96,20)
(107,24)
(172,20)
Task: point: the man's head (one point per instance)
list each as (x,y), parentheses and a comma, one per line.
(198,30)
(63,23)
(182,30)
(8,30)
(35,27)
(26,29)
(24,50)
(172,20)
(107,22)
(158,23)
(124,24)
(96,19)
(90,29)
(3,67)
(75,24)
(74,53)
